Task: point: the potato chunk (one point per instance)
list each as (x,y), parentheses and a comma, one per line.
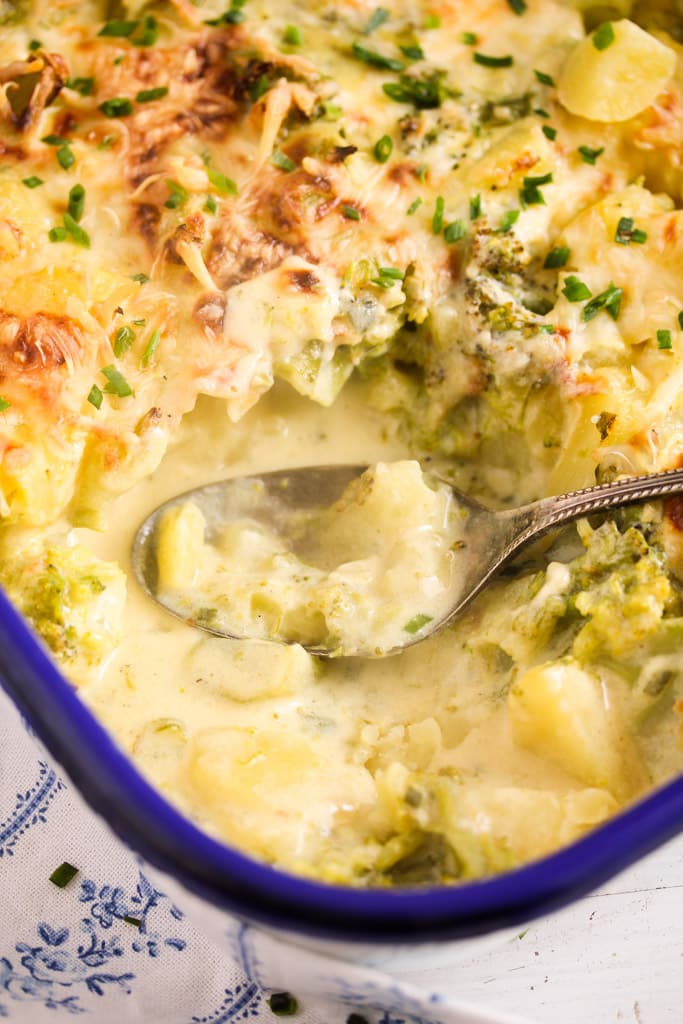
(561,712)
(618,81)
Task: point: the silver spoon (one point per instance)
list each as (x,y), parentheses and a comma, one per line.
(492,539)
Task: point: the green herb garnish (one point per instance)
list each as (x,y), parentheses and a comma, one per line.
(376,60)
(32,182)
(151,347)
(609,300)
(627,233)
(589,156)
(233,16)
(292,36)
(437,219)
(549,132)
(680,319)
(118,28)
(518,6)
(603,36)
(65,157)
(281,160)
(425,92)
(530,193)
(76,202)
(487,61)
(544,78)
(178,196)
(417,623)
(475,207)
(575,290)
(383,149)
(95,396)
(282,1004)
(226,186)
(4,404)
(62,875)
(116,382)
(508,220)
(377,18)
(664,340)
(148,95)
(78,235)
(118,106)
(556,258)
(58,234)
(350,212)
(211,206)
(470,38)
(123,339)
(454,231)
(414,206)
(84,86)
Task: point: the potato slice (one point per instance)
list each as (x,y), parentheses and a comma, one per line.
(617,82)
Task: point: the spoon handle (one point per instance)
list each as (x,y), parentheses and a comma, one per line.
(549,512)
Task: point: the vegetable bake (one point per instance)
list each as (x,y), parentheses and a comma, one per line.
(242,235)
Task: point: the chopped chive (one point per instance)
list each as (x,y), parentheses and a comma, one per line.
(148,95)
(469,38)
(149,33)
(437,219)
(118,28)
(454,231)
(603,36)
(84,86)
(626,233)
(540,112)
(140,322)
(55,140)
(119,60)
(350,212)
(178,196)
(65,157)
(32,182)
(62,875)
(376,19)
(106,142)
(414,206)
(392,272)
(282,1004)
(118,106)
(588,155)
(233,16)
(413,52)
(95,396)
(151,347)
(538,179)
(383,149)
(123,339)
(331,111)
(544,78)
(376,60)
(78,235)
(609,300)
(417,623)
(575,290)
(34,44)
(135,921)
(680,319)
(281,160)
(76,202)
(210,205)
(530,193)
(508,220)
(493,62)
(139,278)
(226,186)
(549,132)
(4,404)
(475,207)
(116,382)
(432,21)
(58,234)
(664,340)
(556,258)
(518,6)
(292,35)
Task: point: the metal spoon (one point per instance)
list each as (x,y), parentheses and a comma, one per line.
(280,500)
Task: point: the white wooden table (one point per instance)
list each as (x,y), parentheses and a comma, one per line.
(614,956)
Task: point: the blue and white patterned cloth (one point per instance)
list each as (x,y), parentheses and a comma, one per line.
(111,946)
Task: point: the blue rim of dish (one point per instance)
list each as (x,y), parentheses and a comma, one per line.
(231,880)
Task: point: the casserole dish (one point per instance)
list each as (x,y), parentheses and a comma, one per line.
(491,324)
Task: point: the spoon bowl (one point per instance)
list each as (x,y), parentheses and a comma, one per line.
(283,499)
